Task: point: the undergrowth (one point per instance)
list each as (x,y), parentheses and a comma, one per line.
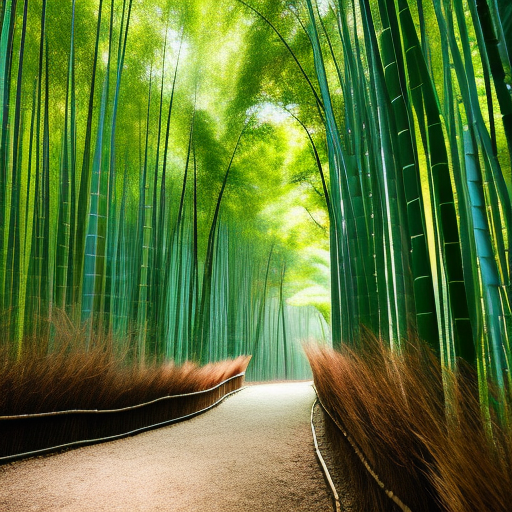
(87,372)
(433,454)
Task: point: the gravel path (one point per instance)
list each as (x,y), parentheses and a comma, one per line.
(252,453)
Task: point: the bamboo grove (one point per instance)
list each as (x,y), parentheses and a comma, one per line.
(122,206)
(416,102)
(135,159)
(417,107)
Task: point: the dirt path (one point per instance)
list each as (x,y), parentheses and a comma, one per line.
(252,453)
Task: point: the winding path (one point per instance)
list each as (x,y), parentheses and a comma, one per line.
(252,453)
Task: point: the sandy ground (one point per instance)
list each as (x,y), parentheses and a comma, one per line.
(252,453)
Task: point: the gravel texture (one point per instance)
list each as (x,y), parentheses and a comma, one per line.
(253,453)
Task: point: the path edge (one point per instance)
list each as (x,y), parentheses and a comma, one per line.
(327,475)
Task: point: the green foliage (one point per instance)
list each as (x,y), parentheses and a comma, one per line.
(123,199)
(166,179)
(419,156)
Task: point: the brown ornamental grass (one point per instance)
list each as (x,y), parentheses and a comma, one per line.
(423,437)
(82,372)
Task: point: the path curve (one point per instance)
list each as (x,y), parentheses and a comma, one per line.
(252,453)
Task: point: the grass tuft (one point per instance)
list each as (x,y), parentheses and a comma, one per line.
(81,374)
(393,406)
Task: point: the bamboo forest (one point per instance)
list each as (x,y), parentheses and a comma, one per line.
(199,180)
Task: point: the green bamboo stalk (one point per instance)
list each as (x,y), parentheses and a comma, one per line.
(426,316)
(6,54)
(161,263)
(357,195)
(13,265)
(37,299)
(44,262)
(480,137)
(177,239)
(67,183)
(6,44)
(444,206)
(96,239)
(341,330)
(109,179)
(488,271)
(283,322)
(29,167)
(352,192)
(389,219)
(455,134)
(143,242)
(109,159)
(497,187)
(72,165)
(500,16)
(261,312)
(120,307)
(85,183)
(193,304)
(504,12)
(155,236)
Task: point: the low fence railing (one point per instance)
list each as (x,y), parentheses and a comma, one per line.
(362,457)
(35,434)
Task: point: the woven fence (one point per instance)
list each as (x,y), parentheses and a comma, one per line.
(35,434)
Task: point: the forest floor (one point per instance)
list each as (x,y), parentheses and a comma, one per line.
(252,453)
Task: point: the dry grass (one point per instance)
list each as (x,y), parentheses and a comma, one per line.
(99,377)
(393,407)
